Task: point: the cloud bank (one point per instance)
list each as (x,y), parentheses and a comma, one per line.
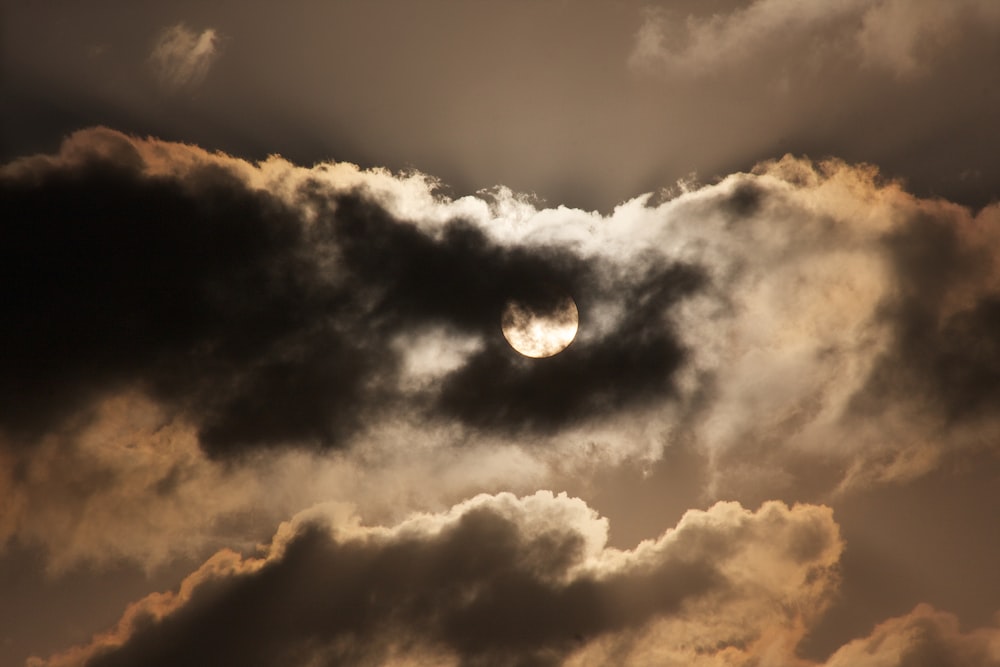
(500,580)
(190,322)
(207,346)
(495,580)
(270,318)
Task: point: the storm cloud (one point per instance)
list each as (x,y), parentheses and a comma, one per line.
(495,580)
(810,313)
(269,318)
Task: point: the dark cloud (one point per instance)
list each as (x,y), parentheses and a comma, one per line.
(464,280)
(460,278)
(745,200)
(810,330)
(497,581)
(473,589)
(945,316)
(633,365)
(194,290)
(226,303)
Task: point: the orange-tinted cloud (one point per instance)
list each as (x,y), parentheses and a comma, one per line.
(495,580)
(806,327)
(925,636)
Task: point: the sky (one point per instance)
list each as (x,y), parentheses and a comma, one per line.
(256,405)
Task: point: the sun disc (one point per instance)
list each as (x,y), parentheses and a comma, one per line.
(539,333)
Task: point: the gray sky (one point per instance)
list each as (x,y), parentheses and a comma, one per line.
(585,103)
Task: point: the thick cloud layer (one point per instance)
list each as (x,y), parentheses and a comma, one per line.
(207,346)
(805,328)
(496,580)
(502,580)
(198,347)
(270,319)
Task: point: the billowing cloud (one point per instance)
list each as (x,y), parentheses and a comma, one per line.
(281,393)
(855,321)
(805,327)
(270,317)
(897,36)
(495,580)
(925,636)
(182,57)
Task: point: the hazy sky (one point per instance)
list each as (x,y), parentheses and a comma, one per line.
(256,407)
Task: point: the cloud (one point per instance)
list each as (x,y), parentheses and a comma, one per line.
(182,57)
(270,317)
(925,636)
(207,346)
(703,43)
(495,580)
(903,35)
(808,328)
(945,354)
(134,486)
(131,485)
(834,335)
(897,36)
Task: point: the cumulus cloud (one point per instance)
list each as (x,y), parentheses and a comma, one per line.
(831,334)
(896,36)
(206,346)
(269,319)
(182,57)
(925,636)
(805,323)
(495,580)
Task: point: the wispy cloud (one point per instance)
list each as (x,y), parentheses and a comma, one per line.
(898,36)
(182,57)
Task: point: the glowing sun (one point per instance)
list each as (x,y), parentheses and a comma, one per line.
(540,331)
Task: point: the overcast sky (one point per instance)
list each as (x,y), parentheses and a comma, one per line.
(256,407)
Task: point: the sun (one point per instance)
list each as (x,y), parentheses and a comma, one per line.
(539,333)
